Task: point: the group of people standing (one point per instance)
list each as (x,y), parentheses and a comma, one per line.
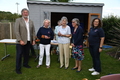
(25,35)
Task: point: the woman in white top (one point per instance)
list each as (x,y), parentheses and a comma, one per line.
(63,42)
(57,29)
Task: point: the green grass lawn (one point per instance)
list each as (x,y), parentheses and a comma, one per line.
(7,68)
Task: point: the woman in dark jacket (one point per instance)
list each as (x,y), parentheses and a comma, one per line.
(45,34)
(77,44)
(96,40)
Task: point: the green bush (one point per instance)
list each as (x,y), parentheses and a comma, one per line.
(8,16)
(115,33)
(108,24)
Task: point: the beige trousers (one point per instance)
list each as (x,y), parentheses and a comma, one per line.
(64,54)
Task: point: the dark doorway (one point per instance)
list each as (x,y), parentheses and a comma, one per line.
(83,17)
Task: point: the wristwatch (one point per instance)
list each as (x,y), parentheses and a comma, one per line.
(100,47)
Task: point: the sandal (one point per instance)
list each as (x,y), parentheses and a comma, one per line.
(38,66)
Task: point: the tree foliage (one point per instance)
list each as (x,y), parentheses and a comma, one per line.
(110,23)
(8,16)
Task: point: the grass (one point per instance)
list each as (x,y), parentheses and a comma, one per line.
(7,68)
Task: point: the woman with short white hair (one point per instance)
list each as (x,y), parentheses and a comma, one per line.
(63,42)
(45,34)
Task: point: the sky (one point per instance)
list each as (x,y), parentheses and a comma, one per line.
(111,7)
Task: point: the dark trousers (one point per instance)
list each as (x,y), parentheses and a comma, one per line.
(32,49)
(22,50)
(94,51)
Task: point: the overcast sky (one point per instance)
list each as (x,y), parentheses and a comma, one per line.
(110,6)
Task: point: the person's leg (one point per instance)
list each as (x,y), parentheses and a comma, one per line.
(97,58)
(26,54)
(47,49)
(76,64)
(41,54)
(66,54)
(18,57)
(57,51)
(61,54)
(79,64)
(92,54)
(51,48)
(32,50)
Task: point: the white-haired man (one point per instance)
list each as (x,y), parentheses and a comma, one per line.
(25,35)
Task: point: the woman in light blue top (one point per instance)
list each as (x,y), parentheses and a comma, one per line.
(57,29)
(63,42)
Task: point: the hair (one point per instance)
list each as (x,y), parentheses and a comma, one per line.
(46,20)
(24,9)
(64,18)
(76,20)
(59,21)
(99,25)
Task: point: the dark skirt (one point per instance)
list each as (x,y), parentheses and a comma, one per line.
(77,52)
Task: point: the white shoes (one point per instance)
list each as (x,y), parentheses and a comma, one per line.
(91,69)
(95,73)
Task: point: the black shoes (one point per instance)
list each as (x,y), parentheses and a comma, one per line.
(18,72)
(74,68)
(79,70)
(27,66)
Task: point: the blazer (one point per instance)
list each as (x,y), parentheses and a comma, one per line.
(21,30)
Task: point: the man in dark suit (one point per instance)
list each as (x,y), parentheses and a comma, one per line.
(25,35)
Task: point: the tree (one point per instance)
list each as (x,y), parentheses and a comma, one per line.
(115,34)
(8,16)
(115,41)
(111,26)
(108,24)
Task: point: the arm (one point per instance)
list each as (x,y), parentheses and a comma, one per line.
(68,33)
(102,38)
(79,36)
(33,34)
(33,30)
(39,33)
(55,31)
(101,43)
(17,31)
(72,44)
(52,35)
(18,37)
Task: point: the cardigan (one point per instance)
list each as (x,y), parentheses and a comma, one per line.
(45,31)
(77,36)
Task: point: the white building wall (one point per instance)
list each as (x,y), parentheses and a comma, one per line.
(38,12)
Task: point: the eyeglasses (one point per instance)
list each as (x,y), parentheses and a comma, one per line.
(73,22)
